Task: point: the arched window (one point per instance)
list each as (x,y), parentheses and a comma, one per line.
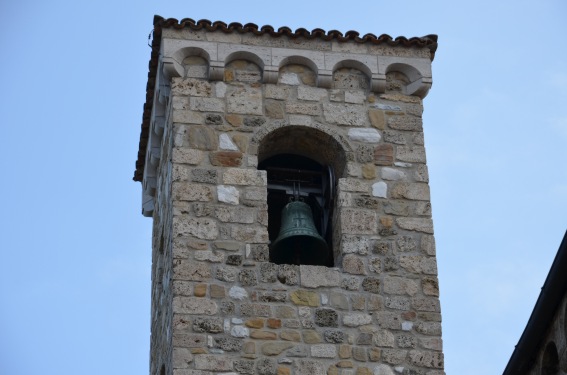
(550,360)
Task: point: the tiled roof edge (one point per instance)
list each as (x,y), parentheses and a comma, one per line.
(429,41)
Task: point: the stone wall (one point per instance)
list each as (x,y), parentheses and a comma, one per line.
(218,304)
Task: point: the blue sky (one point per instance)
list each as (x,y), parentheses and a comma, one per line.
(75,280)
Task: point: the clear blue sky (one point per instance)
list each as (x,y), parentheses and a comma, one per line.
(75,279)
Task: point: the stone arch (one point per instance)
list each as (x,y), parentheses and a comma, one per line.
(351,74)
(245,55)
(174,67)
(313,141)
(296,70)
(416,83)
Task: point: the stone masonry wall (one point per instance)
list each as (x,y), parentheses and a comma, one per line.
(218,304)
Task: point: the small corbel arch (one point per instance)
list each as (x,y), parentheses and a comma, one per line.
(418,84)
(173,64)
(373,84)
(245,55)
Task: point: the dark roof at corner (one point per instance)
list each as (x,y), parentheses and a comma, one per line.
(428,41)
(549,299)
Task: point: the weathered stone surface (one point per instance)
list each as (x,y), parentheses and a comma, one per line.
(309,367)
(263,335)
(323,351)
(416,224)
(345,114)
(353,184)
(184,155)
(250,234)
(226,158)
(400,285)
(380,189)
(288,274)
(213,362)
(192,192)
(355,245)
(384,154)
(371,284)
(227,273)
(311,93)
(356,319)
(289,335)
(383,370)
(203,228)
(235,176)
(326,317)
(265,366)
(209,325)
(412,154)
(311,337)
(412,191)
(353,264)
(426,359)
(208,176)
(358,221)
(334,337)
(245,100)
(377,118)
(226,143)
(392,174)
(406,123)
(304,297)
(190,86)
(319,276)
(194,305)
(190,270)
(275,348)
(366,135)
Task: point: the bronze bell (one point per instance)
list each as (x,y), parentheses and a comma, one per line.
(298,241)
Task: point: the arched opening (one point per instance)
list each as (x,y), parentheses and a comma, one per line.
(297,74)
(550,360)
(302,164)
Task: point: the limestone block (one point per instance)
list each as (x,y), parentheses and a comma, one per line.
(227,273)
(426,304)
(377,119)
(355,96)
(345,114)
(318,276)
(412,191)
(371,284)
(309,367)
(190,86)
(245,100)
(289,335)
(302,120)
(323,351)
(353,184)
(288,274)
(383,370)
(202,228)
(226,158)
(431,343)
(416,224)
(311,93)
(353,264)
(355,221)
(412,154)
(236,176)
(243,215)
(311,109)
(239,331)
(394,356)
(194,306)
(366,135)
(398,303)
(289,78)
(326,317)
(275,348)
(396,137)
(206,104)
(335,337)
(355,245)
(274,109)
(186,156)
(406,123)
(384,154)
(392,174)
(430,286)
(202,138)
(277,92)
(250,234)
(426,359)
(213,362)
(225,143)
(304,297)
(400,285)
(209,256)
(356,319)
(228,194)
(407,326)
(428,244)
(192,192)
(182,357)
(263,335)
(380,189)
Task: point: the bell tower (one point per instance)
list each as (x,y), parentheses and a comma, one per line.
(286,177)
